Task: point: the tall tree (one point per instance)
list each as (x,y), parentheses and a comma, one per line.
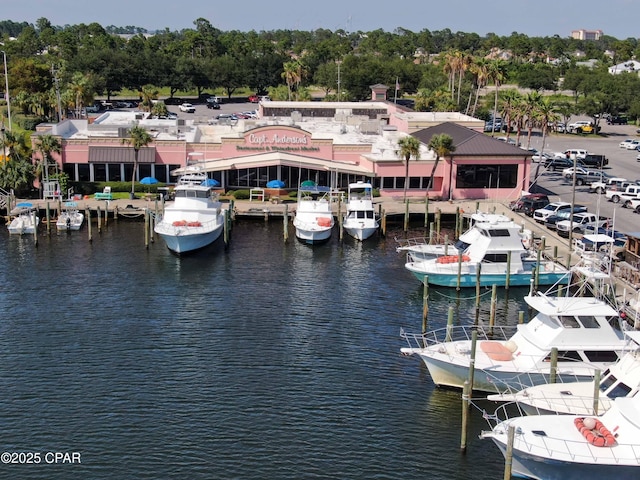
(138,138)
(442,145)
(409,147)
(47,145)
(497,73)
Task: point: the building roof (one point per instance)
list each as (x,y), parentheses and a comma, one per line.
(470,142)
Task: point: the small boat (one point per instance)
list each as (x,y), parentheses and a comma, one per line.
(424,249)
(314,217)
(70,218)
(498,255)
(622,379)
(195,219)
(572,447)
(26,220)
(584,328)
(360,219)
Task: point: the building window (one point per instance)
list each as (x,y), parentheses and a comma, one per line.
(487,176)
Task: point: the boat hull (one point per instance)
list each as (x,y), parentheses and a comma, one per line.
(182,240)
(488,279)
(313,237)
(525,465)
(23,225)
(360,232)
(69,222)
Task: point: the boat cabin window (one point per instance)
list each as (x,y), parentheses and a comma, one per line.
(568,355)
(499,232)
(620,390)
(606,356)
(569,321)
(495,258)
(588,321)
(461,246)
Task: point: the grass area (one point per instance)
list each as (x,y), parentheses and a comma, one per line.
(165,92)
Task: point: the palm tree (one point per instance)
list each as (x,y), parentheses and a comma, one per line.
(409,147)
(510,99)
(138,138)
(480,69)
(497,74)
(291,75)
(546,114)
(46,145)
(82,89)
(148,93)
(532,102)
(443,146)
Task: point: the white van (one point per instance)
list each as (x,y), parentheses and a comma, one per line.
(574,153)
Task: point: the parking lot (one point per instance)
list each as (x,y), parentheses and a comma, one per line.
(622,163)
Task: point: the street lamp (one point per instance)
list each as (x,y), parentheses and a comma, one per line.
(6,89)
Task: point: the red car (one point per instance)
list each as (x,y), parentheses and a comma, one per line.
(254,98)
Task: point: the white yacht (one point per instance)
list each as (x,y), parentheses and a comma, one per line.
(360,219)
(584,328)
(314,217)
(195,219)
(26,220)
(573,447)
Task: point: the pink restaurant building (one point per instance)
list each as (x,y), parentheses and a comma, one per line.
(332,143)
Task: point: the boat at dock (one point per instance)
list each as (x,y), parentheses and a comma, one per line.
(70,218)
(195,219)
(572,447)
(622,379)
(313,219)
(25,221)
(360,220)
(497,256)
(424,248)
(582,326)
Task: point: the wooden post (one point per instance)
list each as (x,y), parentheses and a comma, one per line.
(459,277)
(34,219)
(48,217)
(492,313)
(285,223)
(115,213)
(507,280)
(146,228)
(152,222)
(472,357)
(88,215)
(478,273)
(466,395)
(537,270)
(438,214)
(425,303)
(432,230)
(596,391)
(449,335)
(456,233)
(426,211)
(477,206)
(520,317)
(340,220)
(99,218)
(508,456)
(226,228)
(406,214)
(555,254)
(553,366)
(384,223)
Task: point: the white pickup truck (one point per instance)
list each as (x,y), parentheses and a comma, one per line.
(629,192)
(601,187)
(634,204)
(581,221)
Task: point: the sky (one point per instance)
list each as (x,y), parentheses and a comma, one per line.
(617,18)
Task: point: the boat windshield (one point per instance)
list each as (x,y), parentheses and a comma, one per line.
(193,193)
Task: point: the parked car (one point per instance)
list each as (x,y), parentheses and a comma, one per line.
(518,205)
(623,143)
(593,160)
(591,177)
(556,164)
(582,126)
(541,157)
(576,153)
(632,145)
(552,220)
(609,183)
(187,108)
(630,191)
(541,214)
(254,98)
(617,120)
(568,172)
(212,103)
(530,205)
(580,223)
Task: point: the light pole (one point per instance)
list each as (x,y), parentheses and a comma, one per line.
(6,89)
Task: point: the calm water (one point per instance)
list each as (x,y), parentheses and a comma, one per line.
(263,361)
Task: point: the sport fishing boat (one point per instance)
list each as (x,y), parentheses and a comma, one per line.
(360,219)
(195,219)
(314,217)
(70,218)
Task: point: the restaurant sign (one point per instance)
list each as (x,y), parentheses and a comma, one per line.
(282,140)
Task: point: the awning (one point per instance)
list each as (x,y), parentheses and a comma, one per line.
(123,154)
(278,158)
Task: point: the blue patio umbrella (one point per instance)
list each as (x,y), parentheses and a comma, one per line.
(210,182)
(148,181)
(275,184)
